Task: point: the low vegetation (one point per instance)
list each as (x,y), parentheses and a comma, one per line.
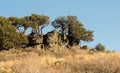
(100,47)
(74,60)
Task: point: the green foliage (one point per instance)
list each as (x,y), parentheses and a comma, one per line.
(23,40)
(8,36)
(25,22)
(77,30)
(15,21)
(20,22)
(60,23)
(39,22)
(87,35)
(100,47)
(71,26)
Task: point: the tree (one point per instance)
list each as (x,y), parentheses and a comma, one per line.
(71,26)
(39,22)
(9,37)
(61,24)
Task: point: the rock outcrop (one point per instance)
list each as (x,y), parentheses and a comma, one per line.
(36,40)
(51,39)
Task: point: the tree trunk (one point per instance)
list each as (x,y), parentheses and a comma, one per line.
(41,30)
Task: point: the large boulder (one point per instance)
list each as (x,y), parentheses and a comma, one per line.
(35,39)
(51,39)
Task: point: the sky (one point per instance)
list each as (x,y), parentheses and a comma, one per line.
(101,16)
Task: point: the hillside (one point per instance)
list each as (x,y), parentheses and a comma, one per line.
(74,60)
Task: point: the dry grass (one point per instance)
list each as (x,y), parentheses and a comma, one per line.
(63,61)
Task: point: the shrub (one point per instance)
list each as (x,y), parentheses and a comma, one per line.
(100,47)
(84,47)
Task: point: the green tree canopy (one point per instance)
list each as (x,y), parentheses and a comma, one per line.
(25,22)
(19,23)
(74,29)
(39,22)
(60,23)
(9,37)
(15,21)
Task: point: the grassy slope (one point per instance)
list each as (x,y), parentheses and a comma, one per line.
(64,61)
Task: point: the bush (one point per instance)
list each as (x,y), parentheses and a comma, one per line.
(100,47)
(84,47)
